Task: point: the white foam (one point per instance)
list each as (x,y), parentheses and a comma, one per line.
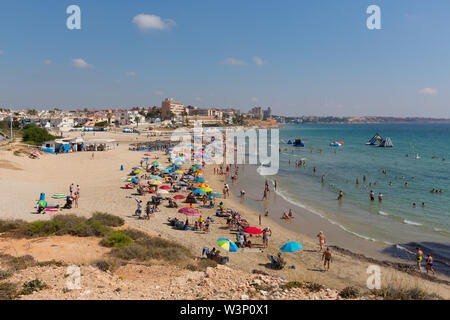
(383,213)
(412,223)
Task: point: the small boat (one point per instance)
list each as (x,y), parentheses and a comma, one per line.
(298,143)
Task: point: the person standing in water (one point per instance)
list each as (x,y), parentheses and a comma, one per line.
(372,195)
(341,194)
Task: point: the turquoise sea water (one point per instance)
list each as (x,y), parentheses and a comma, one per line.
(394,220)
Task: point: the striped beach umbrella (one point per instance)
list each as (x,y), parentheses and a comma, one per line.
(155,182)
(227,245)
(199,191)
(207,189)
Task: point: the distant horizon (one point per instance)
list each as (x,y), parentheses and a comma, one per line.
(273,114)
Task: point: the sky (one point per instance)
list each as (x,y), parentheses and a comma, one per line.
(298,57)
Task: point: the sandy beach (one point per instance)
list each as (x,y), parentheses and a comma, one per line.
(100,180)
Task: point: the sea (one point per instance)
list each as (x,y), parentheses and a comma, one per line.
(409,214)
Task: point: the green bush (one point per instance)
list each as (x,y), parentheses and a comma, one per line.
(116,238)
(152,248)
(404,294)
(107,219)
(8,291)
(90,229)
(136,234)
(11,225)
(349,293)
(34,134)
(32,286)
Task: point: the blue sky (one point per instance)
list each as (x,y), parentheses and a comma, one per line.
(299,57)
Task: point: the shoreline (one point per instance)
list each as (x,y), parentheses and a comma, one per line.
(310,223)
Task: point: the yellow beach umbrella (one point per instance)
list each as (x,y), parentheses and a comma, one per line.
(155,182)
(178,171)
(207,189)
(202,185)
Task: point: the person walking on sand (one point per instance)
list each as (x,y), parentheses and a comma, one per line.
(264,195)
(430,263)
(71,189)
(419,257)
(78,190)
(76,199)
(321,237)
(327,259)
(92,155)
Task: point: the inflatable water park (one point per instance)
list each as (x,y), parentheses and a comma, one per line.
(336,143)
(379,141)
(296,142)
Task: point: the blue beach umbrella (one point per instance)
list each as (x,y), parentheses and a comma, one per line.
(201,180)
(199,191)
(291,247)
(214,195)
(189,177)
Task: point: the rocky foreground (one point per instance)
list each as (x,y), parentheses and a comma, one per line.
(164,282)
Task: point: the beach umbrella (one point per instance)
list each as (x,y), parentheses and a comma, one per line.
(135,180)
(169,168)
(164,187)
(189,177)
(178,171)
(199,180)
(252,230)
(179,197)
(155,182)
(163,191)
(199,191)
(176,166)
(137,171)
(165,171)
(176,174)
(155,178)
(136,168)
(190,211)
(202,185)
(146,154)
(215,195)
(182,183)
(156,163)
(193,169)
(207,189)
(227,245)
(291,247)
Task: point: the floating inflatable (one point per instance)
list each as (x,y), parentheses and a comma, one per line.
(336,143)
(298,143)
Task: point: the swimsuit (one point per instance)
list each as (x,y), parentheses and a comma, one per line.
(419,259)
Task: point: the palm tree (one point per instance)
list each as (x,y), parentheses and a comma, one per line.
(137,119)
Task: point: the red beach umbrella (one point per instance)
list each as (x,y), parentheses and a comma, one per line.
(252,230)
(179,197)
(165,187)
